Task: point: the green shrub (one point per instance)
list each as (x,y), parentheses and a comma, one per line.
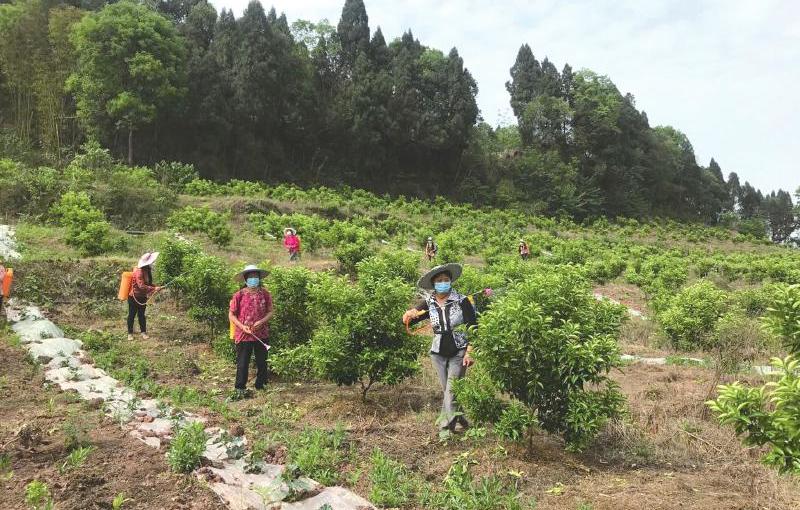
(550,345)
(515,422)
(691,315)
(203,188)
(392,482)
(193,219)
(87,229)
(174,254)
(37,496)
(390,264)
(783,316)
(208,284)
(292,323)
(131,197)
(350,254)
(174,175)
(186,448)
(767,415)
(737,340)
(361,339)
(477,395)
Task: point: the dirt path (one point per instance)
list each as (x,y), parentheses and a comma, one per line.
(37,425)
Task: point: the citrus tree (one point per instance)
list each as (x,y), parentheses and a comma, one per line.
(770,415)
(550,345)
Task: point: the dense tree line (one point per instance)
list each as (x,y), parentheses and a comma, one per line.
(258,98)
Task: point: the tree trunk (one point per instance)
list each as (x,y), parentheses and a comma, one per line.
(130,146)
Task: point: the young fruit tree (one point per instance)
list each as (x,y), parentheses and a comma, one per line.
(549,345)
(770,415)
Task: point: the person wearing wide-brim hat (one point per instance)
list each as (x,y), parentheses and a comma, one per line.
(446,309)
(141,289)
(250,312)
(291,241)
(431,248)
(524,250)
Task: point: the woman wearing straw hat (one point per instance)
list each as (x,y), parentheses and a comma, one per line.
(446,310)
(292,243)
(250,312)
(141,289)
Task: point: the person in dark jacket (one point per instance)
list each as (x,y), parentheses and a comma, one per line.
(450,349)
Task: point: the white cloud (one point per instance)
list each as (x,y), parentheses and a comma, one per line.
(725,72)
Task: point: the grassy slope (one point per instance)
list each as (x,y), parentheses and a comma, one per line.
(670,454)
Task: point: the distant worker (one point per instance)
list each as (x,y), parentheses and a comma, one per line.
(250,312)
(450,352)
(524,250)
(292,243)
(2,291)
(142,289)
(431,249)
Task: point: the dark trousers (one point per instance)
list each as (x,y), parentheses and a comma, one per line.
(135,309)
(243,352)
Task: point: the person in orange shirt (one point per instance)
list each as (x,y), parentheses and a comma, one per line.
(141,289)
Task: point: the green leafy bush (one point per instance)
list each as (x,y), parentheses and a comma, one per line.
(770,415)
(87,229)
(174,254)
(477,395)
(174,175)
(783,316)
(25,190)
(515,422)
(361,339)
(186,448)
(203,188)
(202,219)
(349,254)
(207,283)
(691,315)
(550,345)
(737,340)
(766,416)
(292,323)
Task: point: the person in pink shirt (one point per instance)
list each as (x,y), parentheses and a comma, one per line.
(2,278)
(250,312)
(292,243)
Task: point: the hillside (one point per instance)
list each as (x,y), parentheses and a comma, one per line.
(696,298)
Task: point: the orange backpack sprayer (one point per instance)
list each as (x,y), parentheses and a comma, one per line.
(6,291)
(125,285)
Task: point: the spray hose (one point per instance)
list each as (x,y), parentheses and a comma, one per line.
(418,313)
(153,295)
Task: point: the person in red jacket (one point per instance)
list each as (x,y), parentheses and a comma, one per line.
(2,278)
(141,289)
(250,312)
(292,243)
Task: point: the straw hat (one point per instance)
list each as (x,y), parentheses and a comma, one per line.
(252,268)
(289,229)
(147,259)
(426,282)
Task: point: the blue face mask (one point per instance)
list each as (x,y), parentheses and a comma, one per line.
(442,287)
(253,282)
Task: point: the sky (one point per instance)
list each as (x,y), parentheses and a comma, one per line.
(721,71)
